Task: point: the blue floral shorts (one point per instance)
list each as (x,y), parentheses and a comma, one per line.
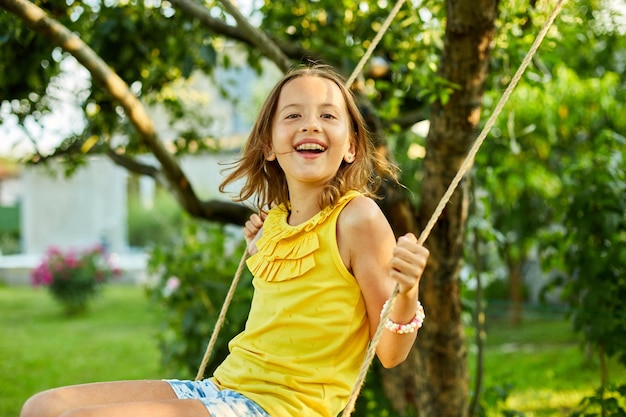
(220,403)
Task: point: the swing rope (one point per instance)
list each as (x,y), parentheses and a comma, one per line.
(231,291)
(222,317)
(465,167)
(375,42)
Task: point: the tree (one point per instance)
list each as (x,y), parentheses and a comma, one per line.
(551,176)
(524,167)
(432,64)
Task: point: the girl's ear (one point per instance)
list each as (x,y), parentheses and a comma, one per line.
(270,155)
(350,153)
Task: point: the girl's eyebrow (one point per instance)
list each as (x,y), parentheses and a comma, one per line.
(298,105)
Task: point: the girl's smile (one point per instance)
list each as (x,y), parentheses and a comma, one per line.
(310,147)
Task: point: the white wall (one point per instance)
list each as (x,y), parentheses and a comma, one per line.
(77,212)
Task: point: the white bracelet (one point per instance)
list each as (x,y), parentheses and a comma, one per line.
(411,327)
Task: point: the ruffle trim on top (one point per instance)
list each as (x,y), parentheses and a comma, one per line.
(286,252)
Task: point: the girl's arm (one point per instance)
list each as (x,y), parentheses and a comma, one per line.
(369,249)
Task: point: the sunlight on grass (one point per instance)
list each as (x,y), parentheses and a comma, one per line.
(541,366)
(546,402)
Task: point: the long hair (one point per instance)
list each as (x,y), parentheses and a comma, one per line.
(265,180)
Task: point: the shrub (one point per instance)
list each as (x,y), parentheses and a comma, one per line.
(192,276)
(607,401)
(154,225)
(74,278)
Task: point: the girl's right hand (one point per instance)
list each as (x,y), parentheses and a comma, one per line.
(252,231)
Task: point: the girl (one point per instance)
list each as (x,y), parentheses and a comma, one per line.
(324,261)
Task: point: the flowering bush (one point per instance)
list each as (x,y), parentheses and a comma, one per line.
(74,278)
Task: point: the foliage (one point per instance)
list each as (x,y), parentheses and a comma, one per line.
(563,162)
(192,277)
(400,78)
(159,224)
(122,33)
(524,167)
(608,402)
(494,397)
(9,243)
(575,78)
(578,77)
(74,278)
(592,245)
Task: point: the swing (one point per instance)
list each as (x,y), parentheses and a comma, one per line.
(464,168)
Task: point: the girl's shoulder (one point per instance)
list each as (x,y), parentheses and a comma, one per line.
(361,212)
(364,237)
(363,202)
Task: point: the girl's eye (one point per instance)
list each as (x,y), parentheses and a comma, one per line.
(292,116)
(328,116)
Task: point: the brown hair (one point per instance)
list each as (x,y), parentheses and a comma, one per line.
(265,180)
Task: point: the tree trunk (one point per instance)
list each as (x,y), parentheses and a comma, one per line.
(479,323)
(516,296)
(434,379)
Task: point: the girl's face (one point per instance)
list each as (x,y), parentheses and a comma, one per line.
(311,131)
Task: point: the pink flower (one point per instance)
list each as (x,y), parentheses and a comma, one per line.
(171,285)
(53,251)
(73,277)
(71,261)
(41,275)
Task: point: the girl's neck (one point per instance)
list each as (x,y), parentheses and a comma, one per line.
(303,206)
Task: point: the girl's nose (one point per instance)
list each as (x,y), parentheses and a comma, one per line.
(310,124)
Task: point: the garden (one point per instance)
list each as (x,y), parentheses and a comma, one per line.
(547,187)
(539,368)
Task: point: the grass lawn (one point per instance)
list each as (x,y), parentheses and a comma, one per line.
(40,348)
(540,364)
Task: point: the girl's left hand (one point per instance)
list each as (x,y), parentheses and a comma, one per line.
(408,263)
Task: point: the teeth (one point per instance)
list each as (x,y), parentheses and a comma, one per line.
(310,147)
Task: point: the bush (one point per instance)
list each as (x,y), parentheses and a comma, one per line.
(192,277)
(148,227)
(74,278)
(9,243)
(607,401)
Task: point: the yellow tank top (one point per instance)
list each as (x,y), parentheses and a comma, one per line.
(307,331)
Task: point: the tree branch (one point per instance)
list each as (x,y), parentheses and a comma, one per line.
(226,212)
(133,165)
(258,37)
(278,52)
(200,13)
(213,210)
(36,19)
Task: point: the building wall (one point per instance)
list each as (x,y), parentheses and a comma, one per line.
(83,210)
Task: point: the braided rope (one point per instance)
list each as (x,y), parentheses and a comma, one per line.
(375,42)
(465,167)
(222,317)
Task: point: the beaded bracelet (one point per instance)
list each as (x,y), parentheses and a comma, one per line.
(411,327)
